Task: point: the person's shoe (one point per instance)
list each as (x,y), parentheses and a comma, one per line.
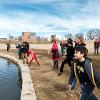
(53,69)
(59,73)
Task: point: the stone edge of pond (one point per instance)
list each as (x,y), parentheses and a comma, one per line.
(28,91)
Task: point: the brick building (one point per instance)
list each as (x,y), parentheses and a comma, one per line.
(29,37)
(25,36)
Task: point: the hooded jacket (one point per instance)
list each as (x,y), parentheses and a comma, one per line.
(55,52)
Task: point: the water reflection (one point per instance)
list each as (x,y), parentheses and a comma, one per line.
(8,63)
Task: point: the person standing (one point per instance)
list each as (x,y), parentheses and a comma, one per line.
(62,44)
(24,53)
(83,71)
(96,47)
(55,54)
(8,46)
(69,56)
(19,46)
(80,41)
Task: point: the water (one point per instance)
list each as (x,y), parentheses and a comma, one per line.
(10,80)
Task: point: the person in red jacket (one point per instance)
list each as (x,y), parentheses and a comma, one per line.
(33,57)
(55,54)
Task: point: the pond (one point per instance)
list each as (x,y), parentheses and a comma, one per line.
(10,80)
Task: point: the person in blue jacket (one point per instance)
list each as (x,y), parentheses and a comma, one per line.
(84,72)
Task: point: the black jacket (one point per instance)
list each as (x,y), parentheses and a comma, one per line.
(70,51)
(93,75)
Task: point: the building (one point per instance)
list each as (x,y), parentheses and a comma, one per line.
(38,38)
(32,37)
(53,37)
(3,40)
(44,39)
(25,36)
(29,37)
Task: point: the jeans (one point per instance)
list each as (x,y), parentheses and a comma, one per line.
(62,50)
(55,64)
(74,84)
(96,51)
(87,92)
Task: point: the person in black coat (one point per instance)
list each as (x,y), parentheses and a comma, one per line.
(19,50)
(24,51)
(69,56)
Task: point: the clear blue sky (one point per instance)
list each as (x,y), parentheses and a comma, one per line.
(49,16)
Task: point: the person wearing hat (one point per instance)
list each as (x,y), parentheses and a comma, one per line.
(69,56)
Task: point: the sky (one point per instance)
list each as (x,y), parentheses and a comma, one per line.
(47,17)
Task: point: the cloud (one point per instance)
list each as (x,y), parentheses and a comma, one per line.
(49,16)
(30,1)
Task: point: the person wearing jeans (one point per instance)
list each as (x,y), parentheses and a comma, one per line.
(96,47)
(83,71)
(87,92)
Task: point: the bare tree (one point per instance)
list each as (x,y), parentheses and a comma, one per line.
(92,34)
(78,35)
(69,35)
(97,34)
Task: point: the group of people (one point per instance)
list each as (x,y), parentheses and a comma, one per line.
(74,53)
(81,67)
(24,53)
